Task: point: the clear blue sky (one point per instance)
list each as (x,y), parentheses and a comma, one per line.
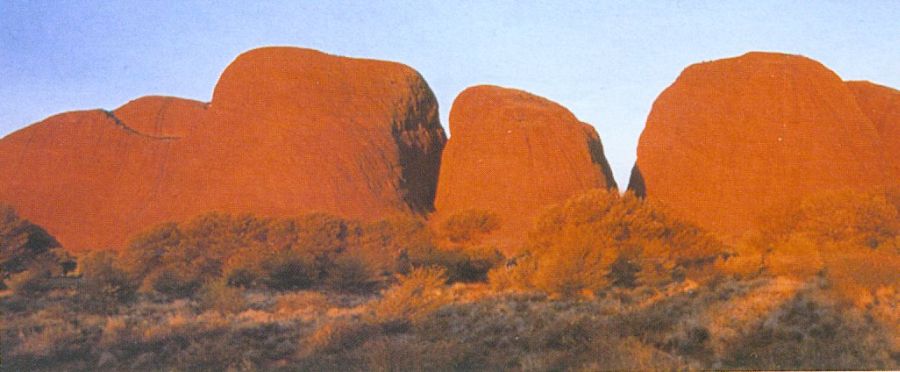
(606,61)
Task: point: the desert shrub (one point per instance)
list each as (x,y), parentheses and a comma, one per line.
(477,261)
(841,216)
(104,285)
(581,263)
(288,270)
(350,273)
(405,354)
(241,276)
(206,354)
(463,263)
(176,259)
(322,250)
(414,296)
(797,256)
(301,301)
(301,251)
(310,251)
(857,273)
(515,276)
(849,237)
(245,268)
(468,225)
(388,244)
(338,335)
(37,279)
(812,332)
(24,245)
(146,251)
(174,280)
(630,354)
(218,296)
(457,246)
(49,338)
(598,239)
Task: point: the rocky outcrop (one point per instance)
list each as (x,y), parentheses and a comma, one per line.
(512,154)
(882,106)
(733,138)
(288,131)
(161,117)
(293,130)
(86,176)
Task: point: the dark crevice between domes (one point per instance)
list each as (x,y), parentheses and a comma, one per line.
(595,146)
(420,140)
(636,182)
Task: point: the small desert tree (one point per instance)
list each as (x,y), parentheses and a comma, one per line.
(469,225)
(25,246)
(599,238)
(458,246)
(104,285)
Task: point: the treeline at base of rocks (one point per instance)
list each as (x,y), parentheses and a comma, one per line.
(603,281)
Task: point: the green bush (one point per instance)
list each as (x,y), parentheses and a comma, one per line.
(310,251)
(457,247)
(24,245)
(174,281)
(37,279)
(104,285)
(314,250)
(288,270)
(177,259)
(462,263)
(350,273)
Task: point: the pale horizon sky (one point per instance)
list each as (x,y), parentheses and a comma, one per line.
(605,61)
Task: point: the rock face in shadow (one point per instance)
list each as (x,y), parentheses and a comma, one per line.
(882,106)
(513,153)
(734,137)
(288,131)
(636,182)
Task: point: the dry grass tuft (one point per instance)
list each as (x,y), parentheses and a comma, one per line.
(414,296)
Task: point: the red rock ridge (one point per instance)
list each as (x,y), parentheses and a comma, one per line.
(730,139)
(288,131)
(513,153)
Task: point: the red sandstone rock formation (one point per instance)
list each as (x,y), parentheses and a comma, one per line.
(162,117)
(288,131)
(732,138)
(882,105)
(512,153)
(293,130)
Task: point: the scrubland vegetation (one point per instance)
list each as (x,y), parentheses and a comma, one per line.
(603,282)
